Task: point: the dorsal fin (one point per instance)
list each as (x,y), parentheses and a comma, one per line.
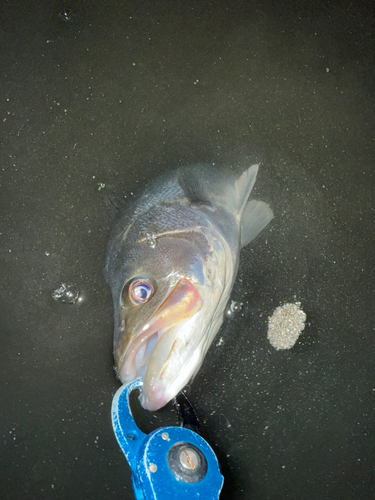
(195,187)
(210,185)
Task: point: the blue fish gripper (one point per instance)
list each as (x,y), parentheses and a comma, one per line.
(170,462)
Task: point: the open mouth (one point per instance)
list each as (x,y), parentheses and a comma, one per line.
(160,332)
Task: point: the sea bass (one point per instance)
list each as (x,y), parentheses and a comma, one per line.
(171,262)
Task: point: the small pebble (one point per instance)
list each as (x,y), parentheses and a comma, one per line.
(285,325)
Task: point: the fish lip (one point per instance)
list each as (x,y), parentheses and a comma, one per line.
(180,304)
(153,404)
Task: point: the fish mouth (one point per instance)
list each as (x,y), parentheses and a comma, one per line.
(148,353)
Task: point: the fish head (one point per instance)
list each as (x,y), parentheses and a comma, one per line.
(158,292)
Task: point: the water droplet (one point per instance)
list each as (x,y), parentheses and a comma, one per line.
(66,15)
(233,308)
(67,294)
(151,239)
(236,306)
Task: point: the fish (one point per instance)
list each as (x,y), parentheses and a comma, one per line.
(171,262)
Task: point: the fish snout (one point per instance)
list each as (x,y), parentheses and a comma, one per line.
(154,347)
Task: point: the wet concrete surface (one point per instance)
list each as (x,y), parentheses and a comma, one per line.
(97,98)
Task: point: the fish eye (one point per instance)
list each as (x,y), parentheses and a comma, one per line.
(140,291)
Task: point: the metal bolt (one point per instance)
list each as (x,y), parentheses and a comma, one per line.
(165,436)
(187,463)
(152,468)
(189,459)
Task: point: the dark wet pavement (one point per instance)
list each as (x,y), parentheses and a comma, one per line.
(99,97)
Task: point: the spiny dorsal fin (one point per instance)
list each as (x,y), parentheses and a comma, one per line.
(212,186)
(195,185)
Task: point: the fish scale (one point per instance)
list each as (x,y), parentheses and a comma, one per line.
(168,217)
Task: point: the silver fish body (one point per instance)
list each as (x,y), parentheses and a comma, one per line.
(171,262)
